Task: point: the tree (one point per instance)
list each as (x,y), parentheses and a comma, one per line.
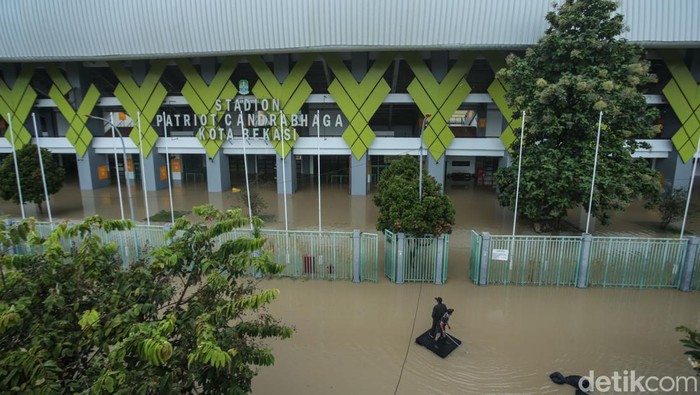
(400,209)
(257,203)
(577,69)
(30,176)
(183,320)
(672,205)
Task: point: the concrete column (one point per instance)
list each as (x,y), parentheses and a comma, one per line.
(358,208)
(291,174)
(156,171)
(281,69)
(281,66)
(359,179)
(89,200)
(439,63)
(359,62)
(485,257)
(584,261)
(93,169)
(218,173)
(436,168)
(356,255)
(689,265)
(400,246)
(358,168)
(676,174)
(495,123)
(439,260)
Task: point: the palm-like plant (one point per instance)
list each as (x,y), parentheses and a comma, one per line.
(692,341)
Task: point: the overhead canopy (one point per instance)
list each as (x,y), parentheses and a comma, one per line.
(128,29)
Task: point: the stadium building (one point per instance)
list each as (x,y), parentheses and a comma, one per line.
(221,86)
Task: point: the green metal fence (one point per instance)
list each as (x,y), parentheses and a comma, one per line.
(554,260)
(445,257)
(132,244)
(308,254)
(535,260)
(695,281)
(420,258)
(636,262)
(474,256)
(390,255)
(369,255)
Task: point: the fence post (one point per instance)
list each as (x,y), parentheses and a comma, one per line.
(485,257)
(688,265)
(400,245)
(584,260)
(440,258)
(356,255)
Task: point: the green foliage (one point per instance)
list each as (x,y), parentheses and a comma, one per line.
(257,203)
(186,319)
(164,216)
(672,205)
(400,209)
(692,342)
(579,68)
(30,176)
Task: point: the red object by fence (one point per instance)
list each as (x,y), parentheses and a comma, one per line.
(309,265)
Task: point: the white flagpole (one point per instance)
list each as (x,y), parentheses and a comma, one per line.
(143,170)
(41,166)
(595,166)
(284,185)
(245,168)
(517,193)
(690,187)
(14,156)
(167,163)
(520,162)
(318,167)
(116,165)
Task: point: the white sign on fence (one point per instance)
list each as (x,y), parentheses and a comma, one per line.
(499,255)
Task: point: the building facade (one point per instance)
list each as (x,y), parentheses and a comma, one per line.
(269,86)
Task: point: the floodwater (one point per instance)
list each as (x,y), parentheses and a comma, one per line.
(359,338)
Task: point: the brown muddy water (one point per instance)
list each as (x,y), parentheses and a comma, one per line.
(359,338)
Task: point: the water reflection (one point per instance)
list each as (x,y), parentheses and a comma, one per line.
(476,208)
(359,338)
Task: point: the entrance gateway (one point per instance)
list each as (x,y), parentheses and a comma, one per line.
(264,115)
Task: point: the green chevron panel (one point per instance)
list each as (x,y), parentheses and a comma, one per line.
(498,90)
(439,98)
(680,105)
(78,134)
(18,101)
(359,101)
(292,94)
(141,102)
(683,94)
